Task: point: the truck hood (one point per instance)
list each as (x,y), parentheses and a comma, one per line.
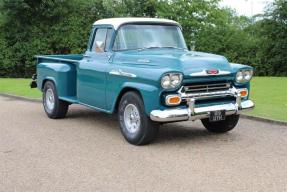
(186,62)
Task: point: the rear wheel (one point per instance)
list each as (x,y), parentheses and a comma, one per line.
(53,106)
(136,126)
(221,126)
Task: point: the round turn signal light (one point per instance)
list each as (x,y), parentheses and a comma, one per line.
(243,93)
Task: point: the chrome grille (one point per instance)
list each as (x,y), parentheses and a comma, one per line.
(207,87)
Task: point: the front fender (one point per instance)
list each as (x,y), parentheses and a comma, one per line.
(149,93)
(235,68)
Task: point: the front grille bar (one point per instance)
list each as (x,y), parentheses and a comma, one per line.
(205,88)
(207,95)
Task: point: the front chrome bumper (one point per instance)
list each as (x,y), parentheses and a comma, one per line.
(191,112)
(172,115)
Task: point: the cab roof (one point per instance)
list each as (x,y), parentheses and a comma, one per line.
(117,22)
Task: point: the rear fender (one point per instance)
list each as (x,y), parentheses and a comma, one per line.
(61,74)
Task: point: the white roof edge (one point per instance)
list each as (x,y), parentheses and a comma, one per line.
(116,22)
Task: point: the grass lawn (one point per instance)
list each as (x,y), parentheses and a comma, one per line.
(270,97)
(19,87)
(268,93)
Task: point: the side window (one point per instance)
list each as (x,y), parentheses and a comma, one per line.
(90,39)
(117,42)
(99,41)
(102,40)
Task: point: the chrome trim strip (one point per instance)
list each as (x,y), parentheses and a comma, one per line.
(114,72)
(203,73)
(122,73)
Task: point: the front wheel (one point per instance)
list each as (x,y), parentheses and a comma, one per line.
(53,106)
(221,126)
(136,126)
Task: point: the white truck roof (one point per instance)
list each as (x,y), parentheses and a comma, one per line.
(116,22)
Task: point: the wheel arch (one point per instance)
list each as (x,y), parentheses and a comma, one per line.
(46,80)
(124,91)
(148,93)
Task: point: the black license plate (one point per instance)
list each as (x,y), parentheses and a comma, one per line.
(217,116)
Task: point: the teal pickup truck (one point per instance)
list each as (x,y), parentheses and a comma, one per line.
(141,69)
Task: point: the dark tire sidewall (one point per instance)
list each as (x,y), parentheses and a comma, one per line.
(50,85)
(132,98)
(221,126)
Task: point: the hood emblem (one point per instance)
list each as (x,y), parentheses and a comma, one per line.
(209,72)
(212,71)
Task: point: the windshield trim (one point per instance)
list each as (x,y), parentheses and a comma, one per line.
(147,48)
(143,23)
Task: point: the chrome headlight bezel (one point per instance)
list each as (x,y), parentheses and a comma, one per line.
(244,75)
(171,80)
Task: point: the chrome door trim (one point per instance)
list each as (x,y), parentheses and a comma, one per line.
(119,72)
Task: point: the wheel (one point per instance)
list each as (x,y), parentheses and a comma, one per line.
(53,106)
(221,126)
(136,127)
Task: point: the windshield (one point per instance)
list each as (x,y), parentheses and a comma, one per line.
(136,36)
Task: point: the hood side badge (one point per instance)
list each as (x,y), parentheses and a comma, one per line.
(143,60)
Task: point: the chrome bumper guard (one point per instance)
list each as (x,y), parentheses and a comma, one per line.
(195,113)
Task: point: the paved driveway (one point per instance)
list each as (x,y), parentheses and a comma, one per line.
(86,152)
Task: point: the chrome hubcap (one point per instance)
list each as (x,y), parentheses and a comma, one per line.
(50,99)
(132,118)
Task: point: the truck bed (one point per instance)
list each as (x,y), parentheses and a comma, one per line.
(62,70)
(69,58)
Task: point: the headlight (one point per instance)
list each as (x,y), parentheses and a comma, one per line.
(248,74)
(239,77)
(244,76)
(171,80)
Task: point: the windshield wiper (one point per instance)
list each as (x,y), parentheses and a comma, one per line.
(171,47)
(144,48)
(155,47)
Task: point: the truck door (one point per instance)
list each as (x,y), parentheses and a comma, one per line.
(91,78)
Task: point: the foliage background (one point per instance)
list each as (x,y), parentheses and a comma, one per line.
(33,27)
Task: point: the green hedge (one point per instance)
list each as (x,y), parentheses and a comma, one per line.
(29,27)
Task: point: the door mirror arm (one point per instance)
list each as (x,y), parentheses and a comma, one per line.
(110,56)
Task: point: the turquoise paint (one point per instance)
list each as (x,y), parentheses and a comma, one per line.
(86,79)
(91,80)
(63,76)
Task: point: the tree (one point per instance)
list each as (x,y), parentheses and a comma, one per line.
(30,27)
(274,39)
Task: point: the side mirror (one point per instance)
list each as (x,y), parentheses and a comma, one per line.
(100,46)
